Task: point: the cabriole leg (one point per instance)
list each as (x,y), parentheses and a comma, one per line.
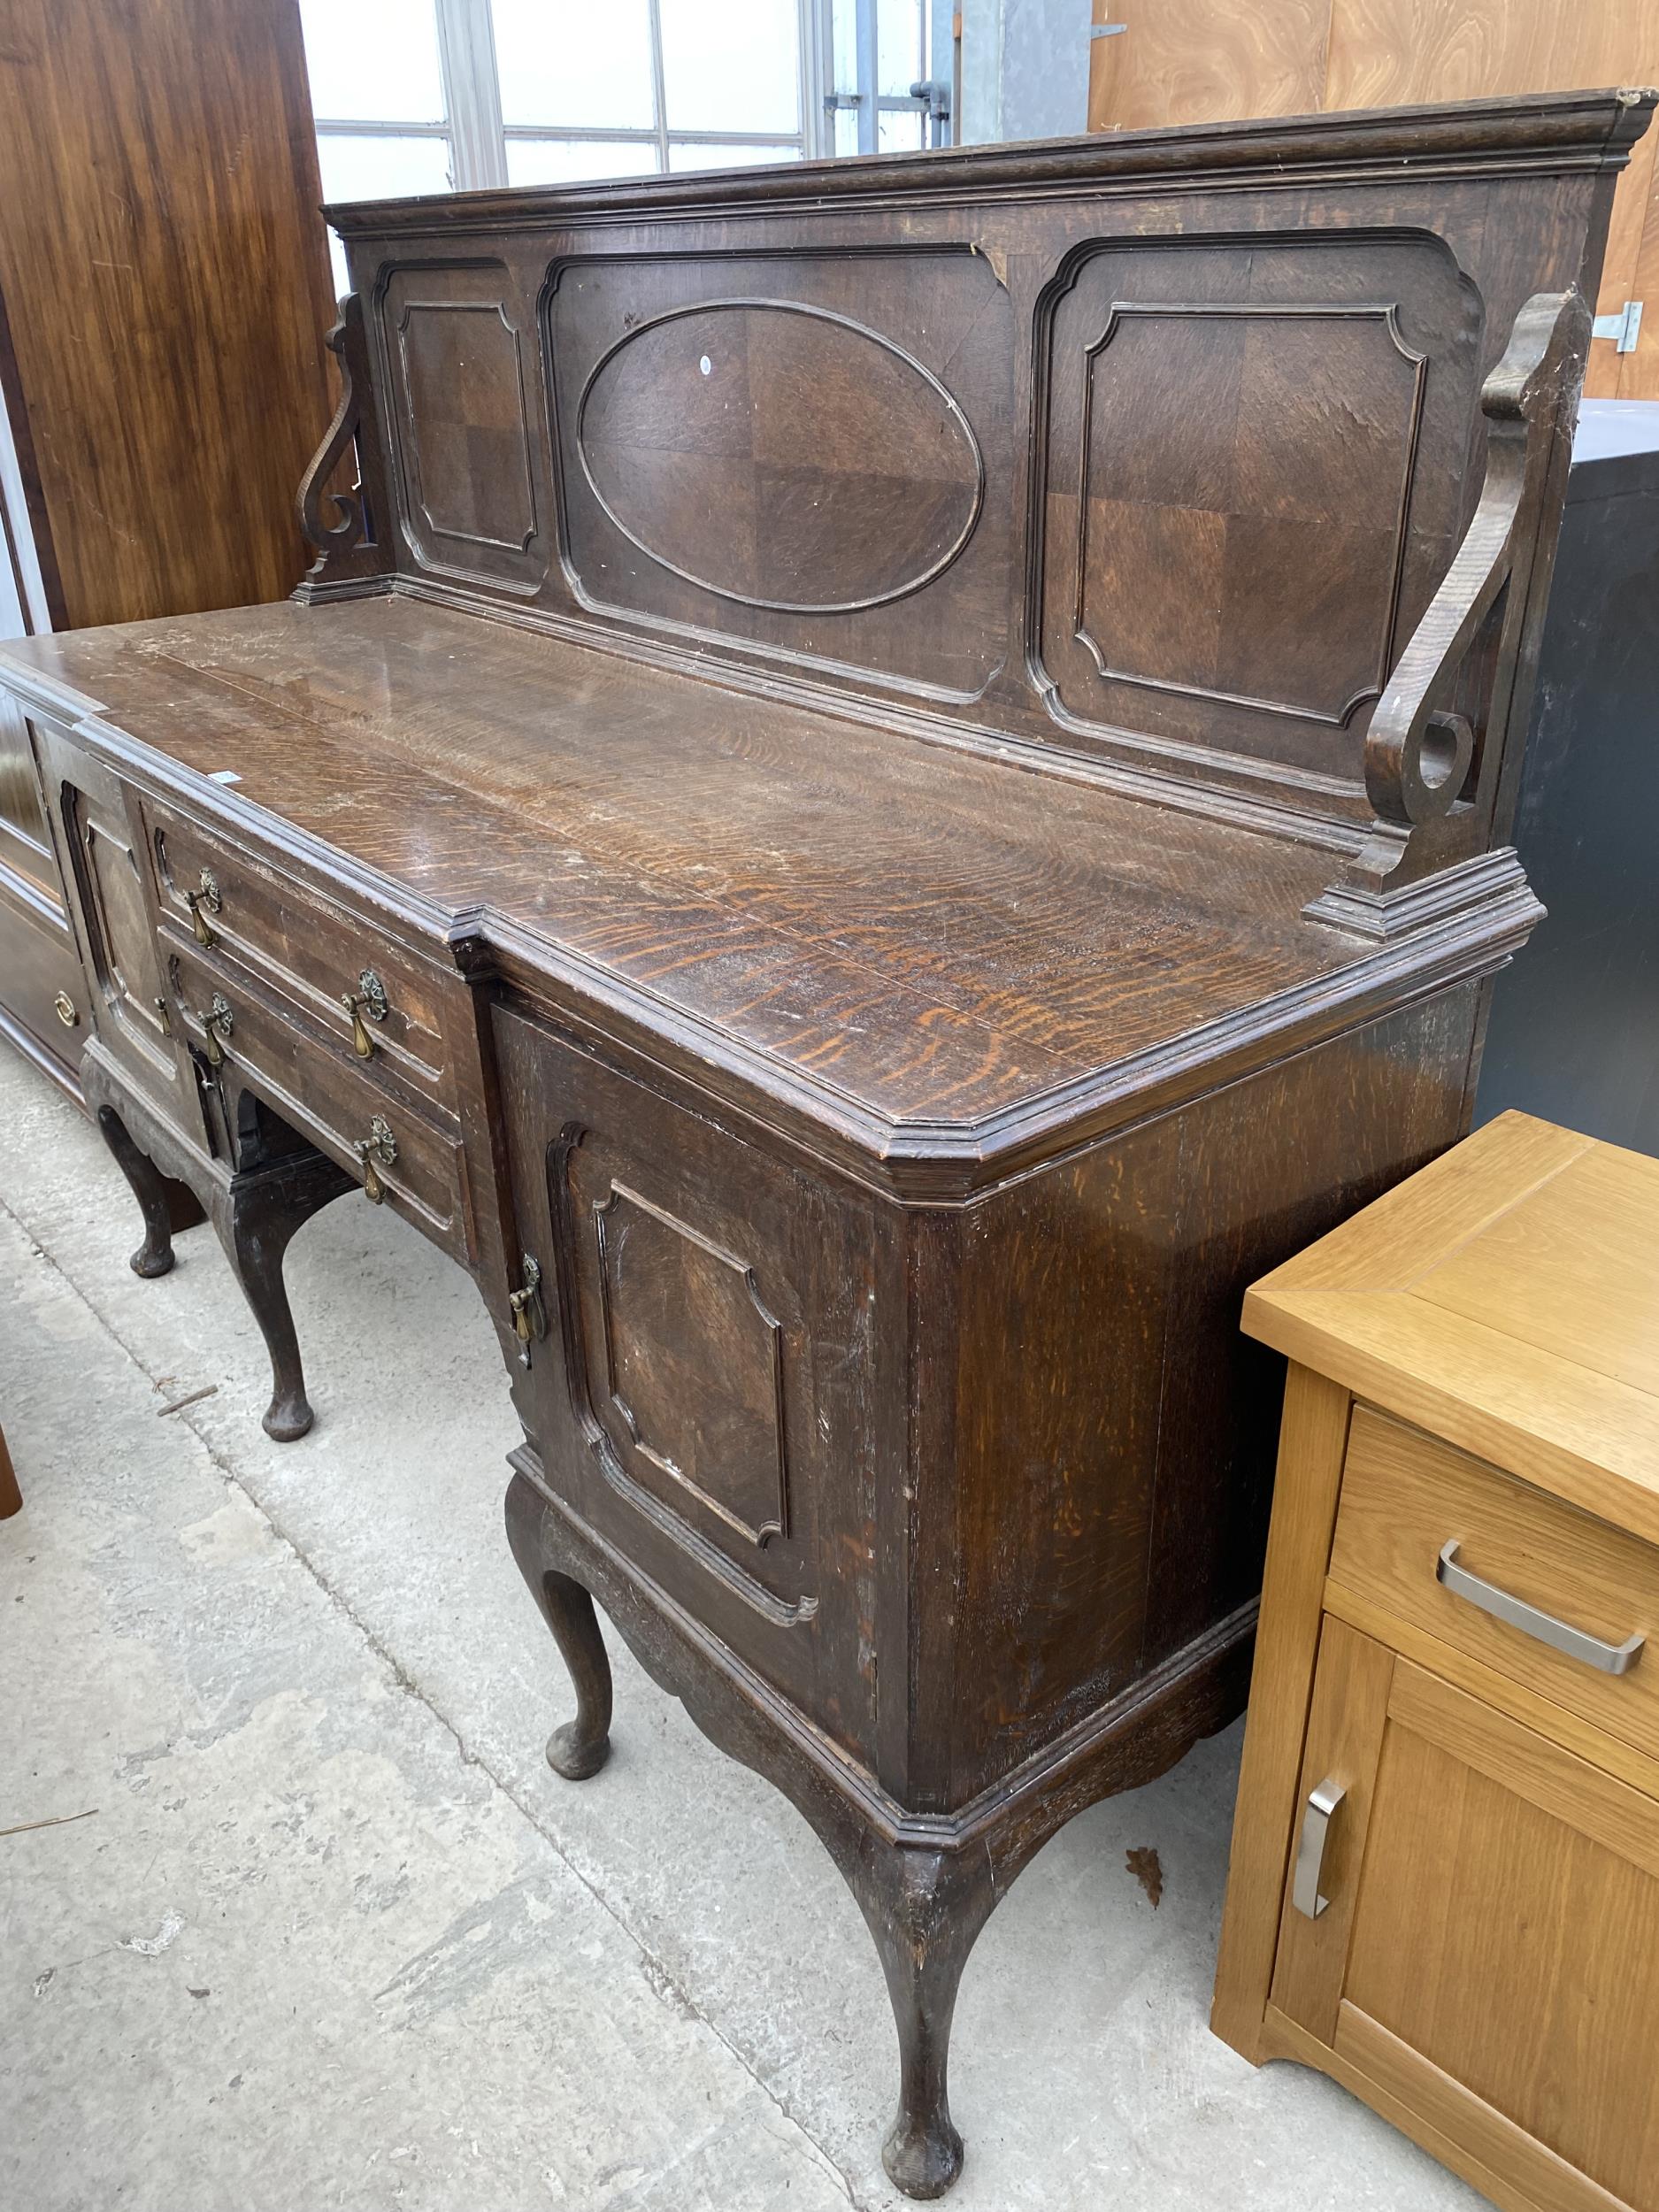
(580,1748)
(255,1228)
(149,1185)
(924,1909)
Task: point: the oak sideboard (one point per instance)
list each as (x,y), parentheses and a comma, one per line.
(893,778)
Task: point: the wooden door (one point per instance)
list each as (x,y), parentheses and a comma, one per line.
(1486,1962)
(684,1406)
(1201,61)
(98,846)
(42,1003)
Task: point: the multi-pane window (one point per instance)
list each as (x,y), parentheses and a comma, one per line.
(429,95)
(642,85)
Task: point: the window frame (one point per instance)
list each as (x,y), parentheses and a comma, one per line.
(477,136)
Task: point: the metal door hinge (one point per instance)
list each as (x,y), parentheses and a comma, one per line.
(1623,329)
(834,100)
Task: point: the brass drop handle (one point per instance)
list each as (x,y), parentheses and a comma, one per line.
(163,1015)
(217,1024)
(379,1146)
(207,898)
(529,1315)
(368,998)
(66,1010)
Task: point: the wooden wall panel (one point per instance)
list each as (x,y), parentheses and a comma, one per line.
(1204,61)
(1189,61)
(166,278)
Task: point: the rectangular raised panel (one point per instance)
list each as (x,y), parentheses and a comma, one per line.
(1252,483)
(683,1332)
(1214,460)
(116,928)
(693,1362)
(845,417)
(463,449)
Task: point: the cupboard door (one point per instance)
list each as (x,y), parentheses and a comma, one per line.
(1488,1956)
(702,1398)
(106,881)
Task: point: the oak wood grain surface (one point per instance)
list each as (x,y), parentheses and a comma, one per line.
(929,932)
(1556,1380)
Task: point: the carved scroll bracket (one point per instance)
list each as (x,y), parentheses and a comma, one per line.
(1421,746)
(344,525)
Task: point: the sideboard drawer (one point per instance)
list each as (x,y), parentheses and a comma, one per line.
(1406,1497)
(341,1109)
(314,953)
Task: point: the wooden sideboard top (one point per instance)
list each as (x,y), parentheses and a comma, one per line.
(1506,1297)
(935,935)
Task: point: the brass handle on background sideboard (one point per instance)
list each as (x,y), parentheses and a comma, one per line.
(217,1024)
(379,1145)
(1559,1635)
(207,898)
(66,1010)
(1316,1816)
(368,998)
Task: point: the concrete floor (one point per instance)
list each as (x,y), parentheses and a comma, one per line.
(315,1925)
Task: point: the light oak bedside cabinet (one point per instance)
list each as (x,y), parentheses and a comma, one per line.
(1445,1879)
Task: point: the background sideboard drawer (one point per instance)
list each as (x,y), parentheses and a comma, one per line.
(1405,1496)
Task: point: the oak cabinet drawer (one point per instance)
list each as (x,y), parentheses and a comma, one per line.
(1584,1585)
(342,1109)
(315,954)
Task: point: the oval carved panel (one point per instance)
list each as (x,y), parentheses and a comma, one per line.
(780,456)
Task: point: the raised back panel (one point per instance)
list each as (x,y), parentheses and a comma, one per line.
(1254,462)
(795,450)
(462,443)
(1150,449)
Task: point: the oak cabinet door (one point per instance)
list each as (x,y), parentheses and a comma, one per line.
(1487,1956)
(702,1400)
(99,841)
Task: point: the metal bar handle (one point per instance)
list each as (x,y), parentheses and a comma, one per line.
(1559,1635)
(1316,1829)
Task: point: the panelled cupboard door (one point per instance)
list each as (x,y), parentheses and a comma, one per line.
(1488,1953)
(702,1400)
(99,844)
